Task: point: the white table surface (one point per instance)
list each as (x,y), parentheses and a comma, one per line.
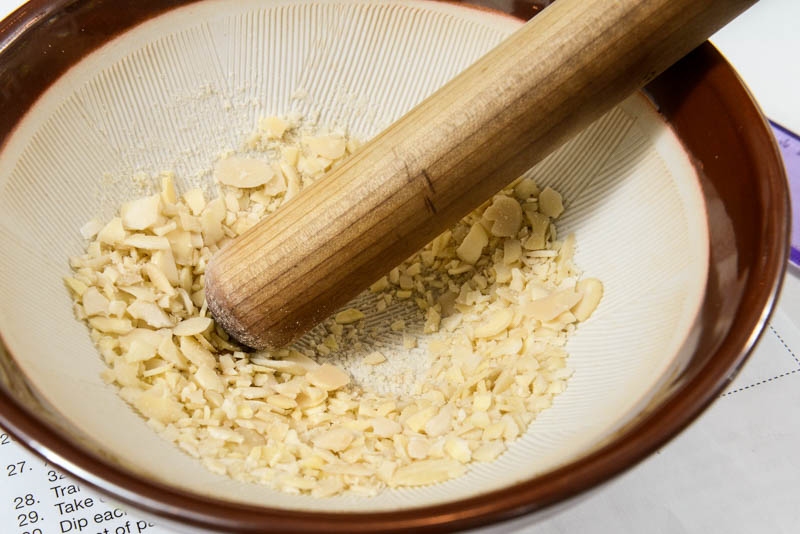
(763,46)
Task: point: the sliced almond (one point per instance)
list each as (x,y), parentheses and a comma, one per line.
(427,472)
(386,428)
(497,322)
(156,405)
(274,127)
(329,146)
(418,448)
(164,261)
(328,377)
(193,326)
(211,221)
(472,246)
(310,397)
(503,217)
(243,172)
(458,449)
(550,202)
(349,316)
(512,251)
(525,189)
(159,278)
(168,194)
(150,313)
(282,401)
(284,366)
(141,213)
(94,302)
(146,242)
(540,223)
(208,378)
(380,285)
(591,290)
(111,325)
(196,353)
(488,451)
(419,419)
(336,439)
(182,249)
(441,423)
(112,233)
(196,200)
(91,228)
(548,308)
(169,352)
(374,358)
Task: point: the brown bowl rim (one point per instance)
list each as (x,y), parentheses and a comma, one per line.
(681,407)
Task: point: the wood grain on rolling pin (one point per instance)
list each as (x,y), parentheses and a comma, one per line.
(554,76)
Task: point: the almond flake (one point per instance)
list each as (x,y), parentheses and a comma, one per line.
(146,242)
(425,472)
(473,244)
(94,302)
(150,313)
(208,378)
(374,358)
(550,203)
(329,146)
(91,228)
(112,233)
(243,172)
(496,323)
(193,326)
(504,216)
(274,127)
(349,316)
(336,439)
(591,290)
(111,325)
(196,353)
(141,213)
(328,377)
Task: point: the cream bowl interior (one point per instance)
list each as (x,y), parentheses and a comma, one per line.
(175,92)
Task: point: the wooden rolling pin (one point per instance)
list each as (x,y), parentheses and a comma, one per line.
(547,81)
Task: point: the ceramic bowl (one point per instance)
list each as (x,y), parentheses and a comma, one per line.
(677,198)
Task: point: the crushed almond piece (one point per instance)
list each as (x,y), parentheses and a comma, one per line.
(336,439)
(192,326)
(349,316)
(504,216)
(328,377)
(591,290)
(473,244)
(274,127)
(374,358)
(550,202)
(243,172)
(142,213)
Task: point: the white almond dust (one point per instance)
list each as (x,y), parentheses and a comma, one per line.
(442,362)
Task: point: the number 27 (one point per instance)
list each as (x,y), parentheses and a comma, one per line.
(15,469)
